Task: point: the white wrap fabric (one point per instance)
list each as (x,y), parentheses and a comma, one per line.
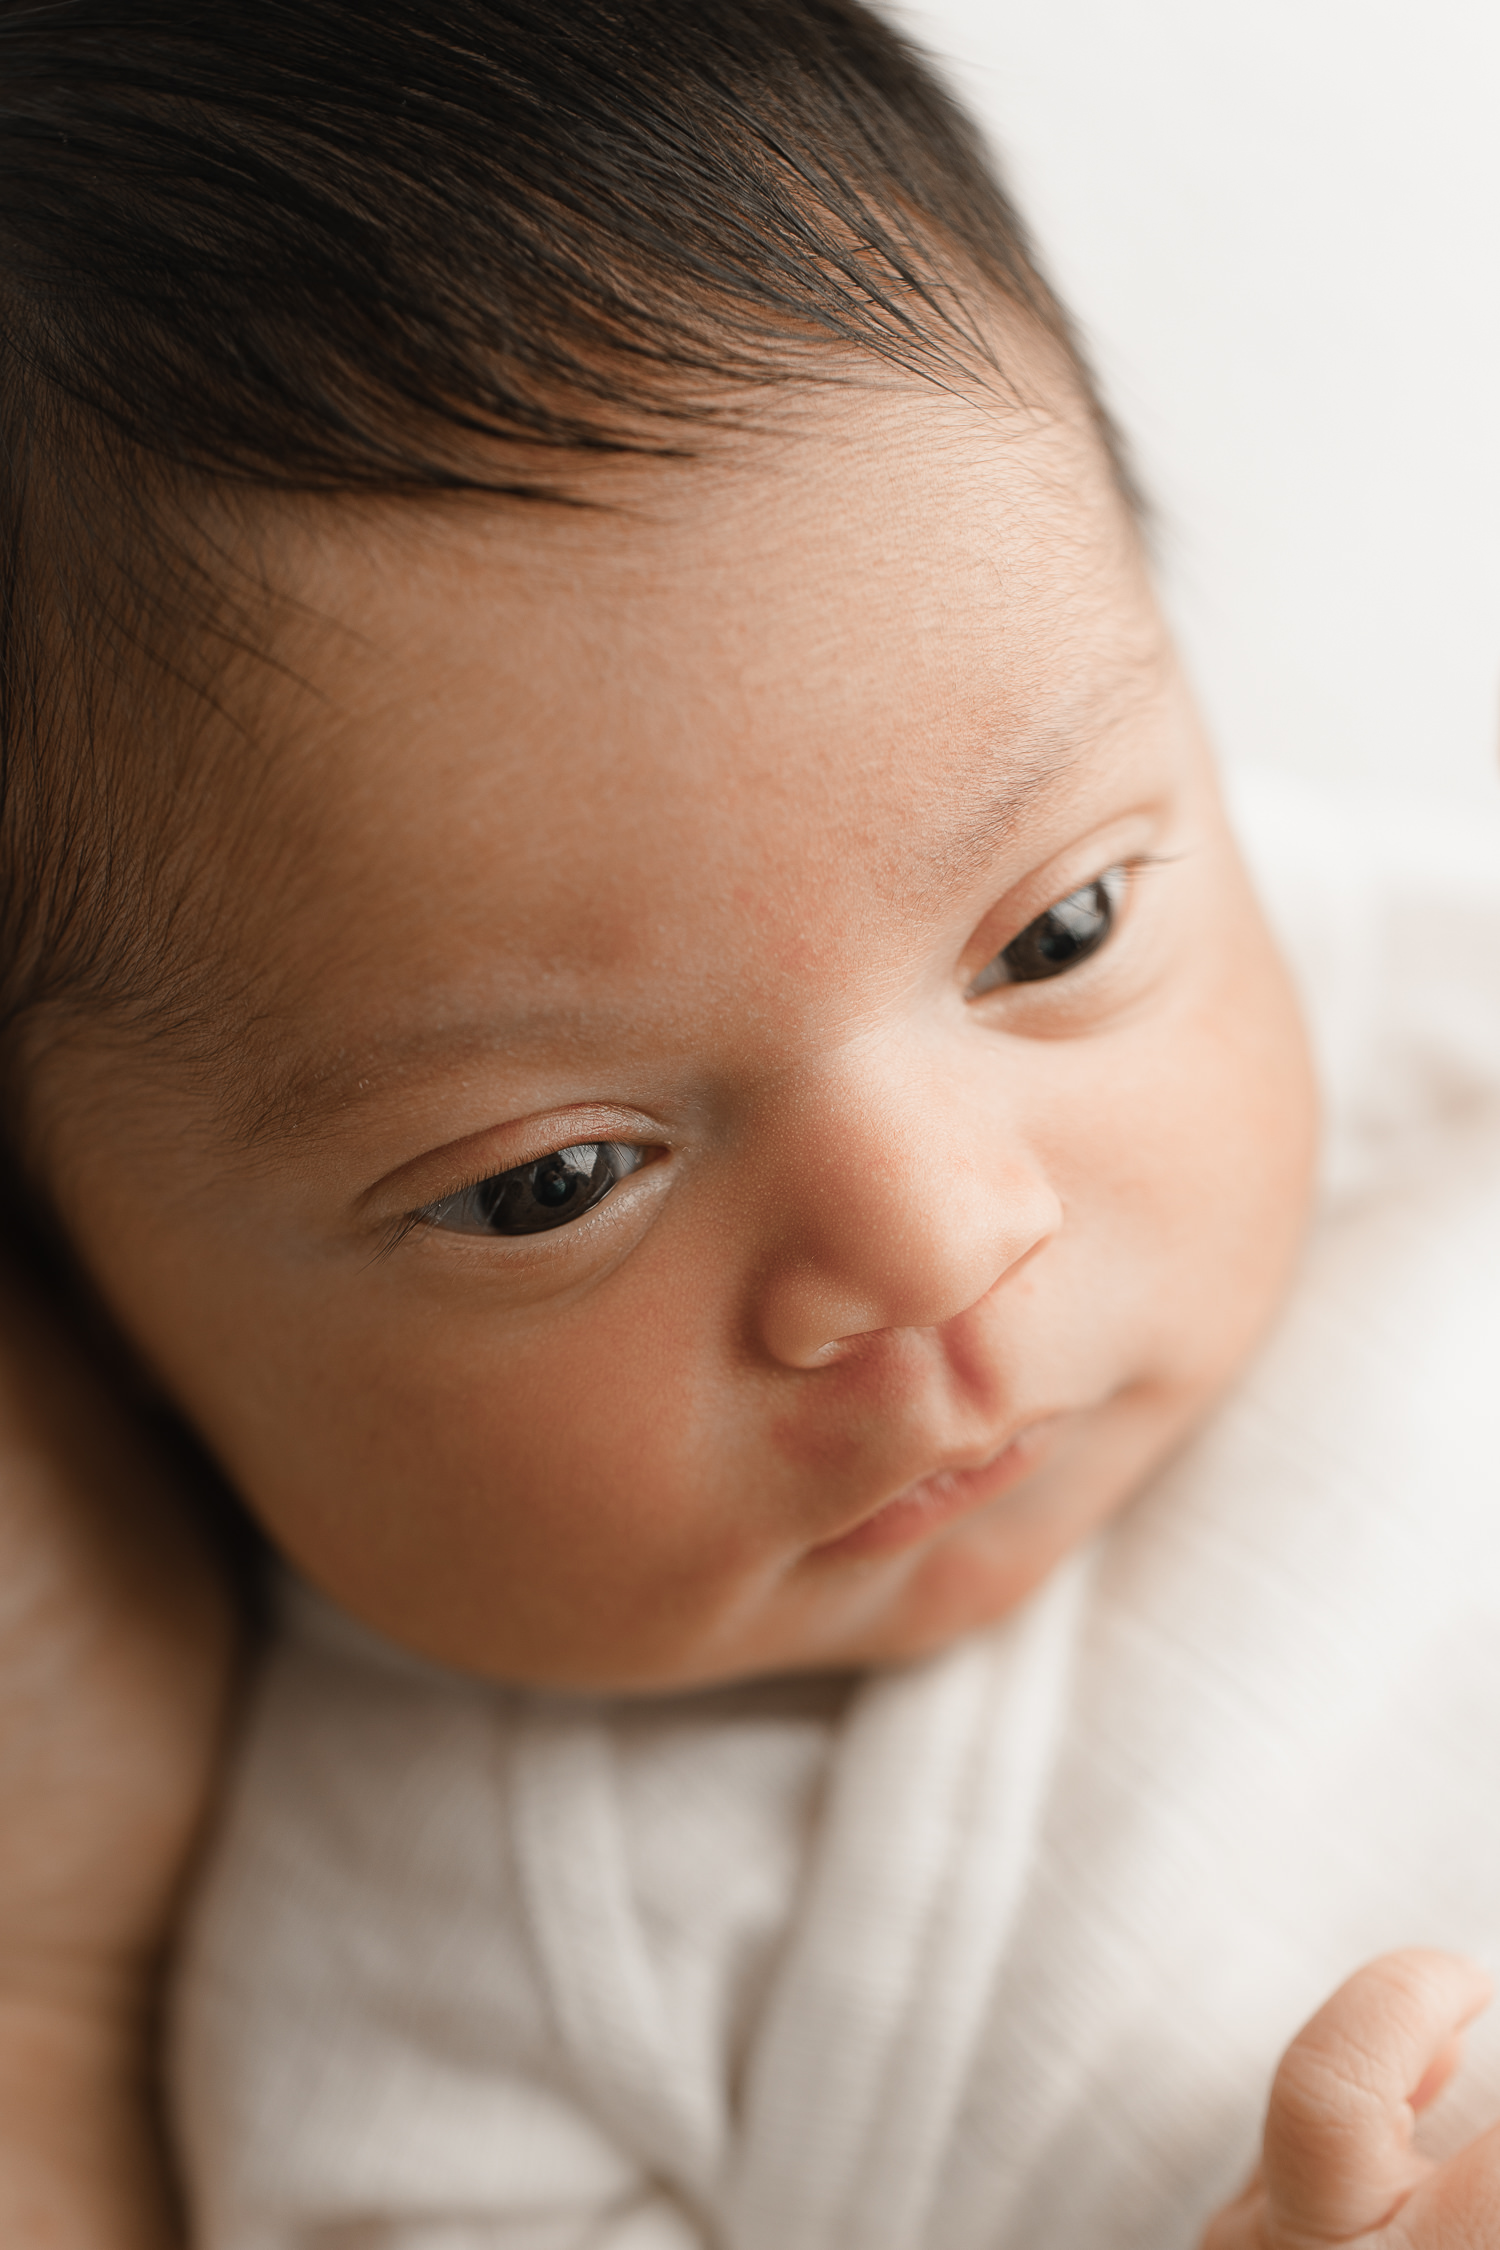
(996,1952)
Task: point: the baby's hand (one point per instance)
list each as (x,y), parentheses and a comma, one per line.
(1338,2163)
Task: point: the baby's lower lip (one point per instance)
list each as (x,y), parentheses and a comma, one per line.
(922,1509)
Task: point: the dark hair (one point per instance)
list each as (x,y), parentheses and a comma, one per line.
(344,246)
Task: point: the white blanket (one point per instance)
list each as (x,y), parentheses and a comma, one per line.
(996,1952)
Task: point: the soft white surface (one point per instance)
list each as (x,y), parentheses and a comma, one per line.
(1280,226)
(1004,1949)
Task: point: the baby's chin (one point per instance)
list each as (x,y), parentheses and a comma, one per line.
(862,1614)
(889,1613)
(969,1579)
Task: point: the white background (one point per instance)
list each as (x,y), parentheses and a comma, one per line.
(1279,226)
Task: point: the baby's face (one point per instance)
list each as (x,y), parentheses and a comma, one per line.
(766,1105)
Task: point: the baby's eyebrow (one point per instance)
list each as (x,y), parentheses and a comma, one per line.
(993,814)
(277,1102)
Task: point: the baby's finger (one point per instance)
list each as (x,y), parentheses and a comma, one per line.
(1338,2146)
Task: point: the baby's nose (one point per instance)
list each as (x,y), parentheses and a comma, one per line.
(901,1206)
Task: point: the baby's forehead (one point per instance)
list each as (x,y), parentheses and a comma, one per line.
(888,549)
(861,622)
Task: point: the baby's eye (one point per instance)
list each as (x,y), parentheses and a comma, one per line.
(531,1198)
(1059,939)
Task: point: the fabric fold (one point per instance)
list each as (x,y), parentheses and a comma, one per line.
(861,2064)
(570,1855)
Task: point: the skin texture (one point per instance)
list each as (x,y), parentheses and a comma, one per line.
(688,823)
(1339,2165)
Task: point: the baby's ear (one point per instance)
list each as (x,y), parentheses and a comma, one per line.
(1339,2153)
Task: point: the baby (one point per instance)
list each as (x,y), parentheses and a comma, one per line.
(628,975)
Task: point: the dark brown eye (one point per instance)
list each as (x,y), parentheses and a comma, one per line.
(534,1198)
(1059,939)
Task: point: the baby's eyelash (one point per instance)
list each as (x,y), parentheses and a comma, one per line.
(393,1235)
(1064,936)
(396,1231)
(542,1194)
(1144,861)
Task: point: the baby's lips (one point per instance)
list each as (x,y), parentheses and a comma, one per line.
(935,1501)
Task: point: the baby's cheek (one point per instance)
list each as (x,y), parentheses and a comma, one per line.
(554,1499)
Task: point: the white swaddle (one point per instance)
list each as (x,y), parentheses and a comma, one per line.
(996,1952)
